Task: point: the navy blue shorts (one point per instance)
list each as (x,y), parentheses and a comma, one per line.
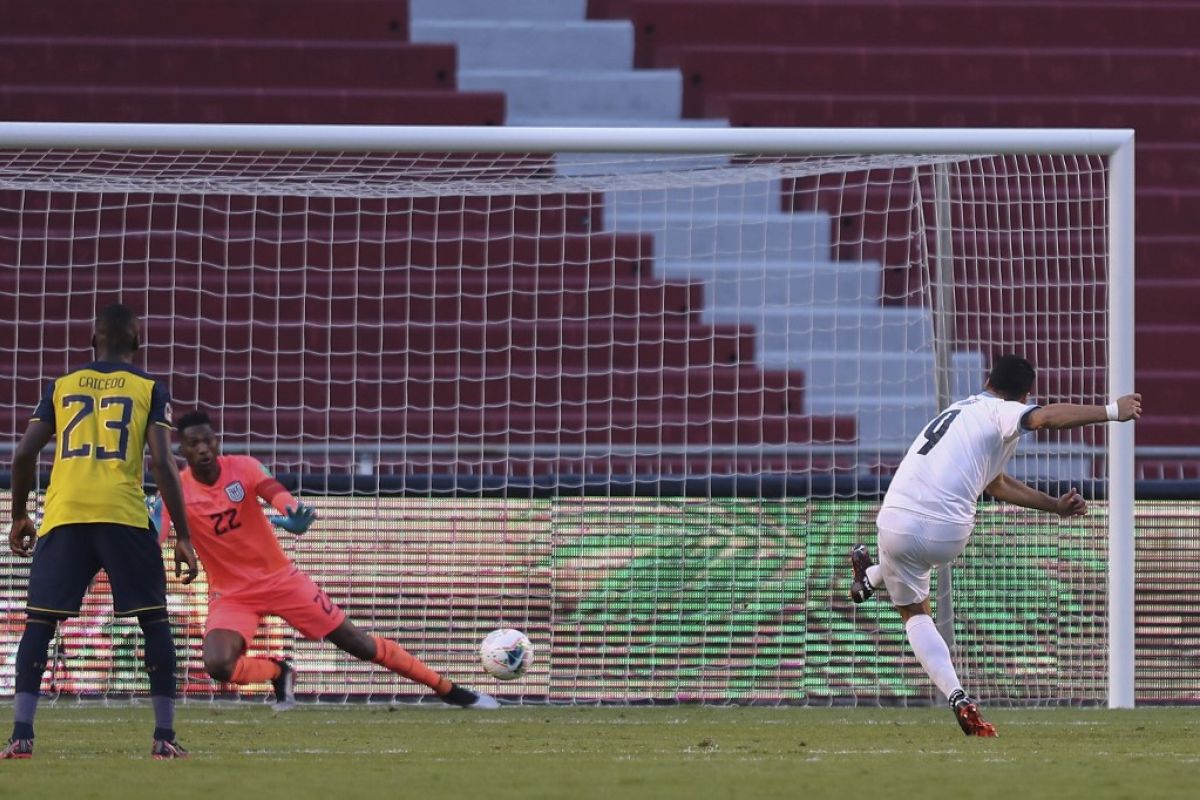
(67,559)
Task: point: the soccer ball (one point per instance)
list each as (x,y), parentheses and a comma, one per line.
(506,654)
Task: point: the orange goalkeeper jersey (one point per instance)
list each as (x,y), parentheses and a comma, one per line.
(232,535)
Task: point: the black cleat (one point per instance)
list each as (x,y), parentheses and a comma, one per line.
(466,698)
(484,702)
(163,750)
(969,719)
(18,748)
(861,588)
(285,685)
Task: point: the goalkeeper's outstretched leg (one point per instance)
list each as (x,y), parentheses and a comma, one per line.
(389,655)
(225,660)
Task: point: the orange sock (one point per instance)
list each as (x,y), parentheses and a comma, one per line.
(392,656)
(254,670)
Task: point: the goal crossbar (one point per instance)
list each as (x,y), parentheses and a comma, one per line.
(482,139)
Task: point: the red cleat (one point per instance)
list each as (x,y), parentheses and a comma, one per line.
(163,750)
(18,748)
(972,724)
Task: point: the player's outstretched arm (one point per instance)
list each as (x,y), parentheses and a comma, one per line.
(23,534)
(1010,490)
(166,475)
(1058,416)
(296,519)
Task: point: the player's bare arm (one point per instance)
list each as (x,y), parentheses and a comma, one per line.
(1007,489)
(166,475)
(1058,416)
(23,534)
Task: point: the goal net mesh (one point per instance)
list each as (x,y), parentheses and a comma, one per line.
(637,406)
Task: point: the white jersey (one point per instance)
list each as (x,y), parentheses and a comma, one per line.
(955,457)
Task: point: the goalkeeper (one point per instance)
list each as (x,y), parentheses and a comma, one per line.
(250,576)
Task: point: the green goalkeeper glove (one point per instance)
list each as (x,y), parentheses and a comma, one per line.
(154,507)
(296,520)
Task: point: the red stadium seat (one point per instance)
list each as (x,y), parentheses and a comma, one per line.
(523,428)
(262,19)
(712,74)
(277,106)
(594,345)
(372,269)
(1168,165)
(663,27)
(1162,120)
(492,303)
(226,63)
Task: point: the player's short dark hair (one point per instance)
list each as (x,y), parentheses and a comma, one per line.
(118,324)
(1011,377)
(191,418)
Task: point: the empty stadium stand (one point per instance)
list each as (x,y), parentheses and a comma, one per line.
(967,64)
(376,20)
(491,329)
(491,294)
(527,312)
(268,61)
(663,27)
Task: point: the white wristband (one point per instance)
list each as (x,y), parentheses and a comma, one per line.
(1113,413)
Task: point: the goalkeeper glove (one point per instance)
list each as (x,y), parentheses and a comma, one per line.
(154,507)
(296,520)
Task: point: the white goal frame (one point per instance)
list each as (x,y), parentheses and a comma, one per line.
(1116,145)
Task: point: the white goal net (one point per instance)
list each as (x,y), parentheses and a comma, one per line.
(638,405)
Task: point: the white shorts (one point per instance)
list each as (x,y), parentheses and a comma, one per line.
(910,547)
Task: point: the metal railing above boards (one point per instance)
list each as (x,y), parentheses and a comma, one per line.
(380,470)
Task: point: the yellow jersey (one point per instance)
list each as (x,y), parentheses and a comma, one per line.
(100,413)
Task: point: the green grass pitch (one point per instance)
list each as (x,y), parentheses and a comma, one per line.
(611,753)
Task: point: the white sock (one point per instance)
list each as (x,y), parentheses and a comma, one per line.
(875,576)
(932,652)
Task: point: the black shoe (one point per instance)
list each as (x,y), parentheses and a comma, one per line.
(18,748)
(467,698)
(162,750)
(861,588)
(969,719)
(285,685)
(484,701)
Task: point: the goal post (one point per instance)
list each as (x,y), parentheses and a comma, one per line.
(1121,474)
(657,290)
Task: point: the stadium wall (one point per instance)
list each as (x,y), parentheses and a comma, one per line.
(677,599)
